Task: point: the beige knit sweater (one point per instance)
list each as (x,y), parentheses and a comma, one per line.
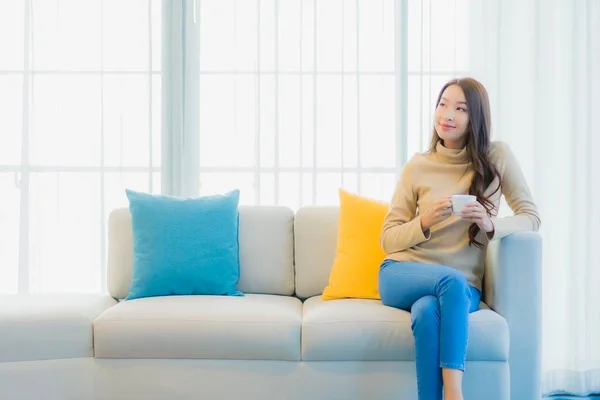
(428,177)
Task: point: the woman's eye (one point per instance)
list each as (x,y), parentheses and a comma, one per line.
(462,109)
(441,105)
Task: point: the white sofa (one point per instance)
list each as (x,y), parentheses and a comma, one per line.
(280,341)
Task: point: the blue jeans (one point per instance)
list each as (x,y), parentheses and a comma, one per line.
(439,300)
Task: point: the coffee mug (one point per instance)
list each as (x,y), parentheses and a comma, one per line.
(459,201)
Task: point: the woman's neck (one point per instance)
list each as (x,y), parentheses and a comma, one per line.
(455,145)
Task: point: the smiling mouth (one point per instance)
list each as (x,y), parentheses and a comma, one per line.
(445,126)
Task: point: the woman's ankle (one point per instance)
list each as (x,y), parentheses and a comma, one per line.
(452,383)
(453,394)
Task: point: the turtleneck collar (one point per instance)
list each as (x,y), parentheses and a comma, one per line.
(451,156)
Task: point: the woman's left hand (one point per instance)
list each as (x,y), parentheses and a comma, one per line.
(475,212)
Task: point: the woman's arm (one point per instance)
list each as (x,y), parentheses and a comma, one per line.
(401,229)
(518,197)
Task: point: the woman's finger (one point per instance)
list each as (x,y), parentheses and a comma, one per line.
(477,212)
(472,217)
(473,220)
(474,205)
(469,211)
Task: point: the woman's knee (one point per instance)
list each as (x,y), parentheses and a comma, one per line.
(387,285)
(455,281)
(426,312)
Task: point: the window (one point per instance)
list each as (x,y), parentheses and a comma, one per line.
(80,96)
(285,100)
(296,99)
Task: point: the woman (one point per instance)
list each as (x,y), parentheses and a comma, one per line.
(435,259)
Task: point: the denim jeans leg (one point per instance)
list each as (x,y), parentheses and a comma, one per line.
(439,300)
(425,324)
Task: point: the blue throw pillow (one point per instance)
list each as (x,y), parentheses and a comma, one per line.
(184,246)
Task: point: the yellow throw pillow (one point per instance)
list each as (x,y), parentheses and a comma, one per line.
(358,256)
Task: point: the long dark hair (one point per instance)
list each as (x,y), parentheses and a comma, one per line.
(478,143)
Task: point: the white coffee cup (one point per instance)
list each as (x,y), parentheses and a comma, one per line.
(459,202)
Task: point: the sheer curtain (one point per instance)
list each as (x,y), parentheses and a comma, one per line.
(296,98)
(567,134)
(80,120)
(540,60)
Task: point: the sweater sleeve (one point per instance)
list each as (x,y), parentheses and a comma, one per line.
(518,197)
(402,227)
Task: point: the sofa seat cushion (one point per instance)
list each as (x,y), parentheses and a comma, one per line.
(44,327)
(252,327)
(366,330)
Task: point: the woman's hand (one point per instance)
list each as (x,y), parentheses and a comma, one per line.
(439,211)
(475,212)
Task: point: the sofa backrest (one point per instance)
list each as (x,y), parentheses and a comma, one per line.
(315,234)
(266,251)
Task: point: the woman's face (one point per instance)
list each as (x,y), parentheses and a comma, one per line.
(451,118)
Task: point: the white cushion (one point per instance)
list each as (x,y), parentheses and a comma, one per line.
(366,330)
(266,251)
(44,327)
(260,327)
(315,234)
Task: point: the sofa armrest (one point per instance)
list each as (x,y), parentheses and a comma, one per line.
(513,288)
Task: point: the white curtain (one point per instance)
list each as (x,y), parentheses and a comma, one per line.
(567,133)
(285,100)
(296,98)
(80,120)
(541,62)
